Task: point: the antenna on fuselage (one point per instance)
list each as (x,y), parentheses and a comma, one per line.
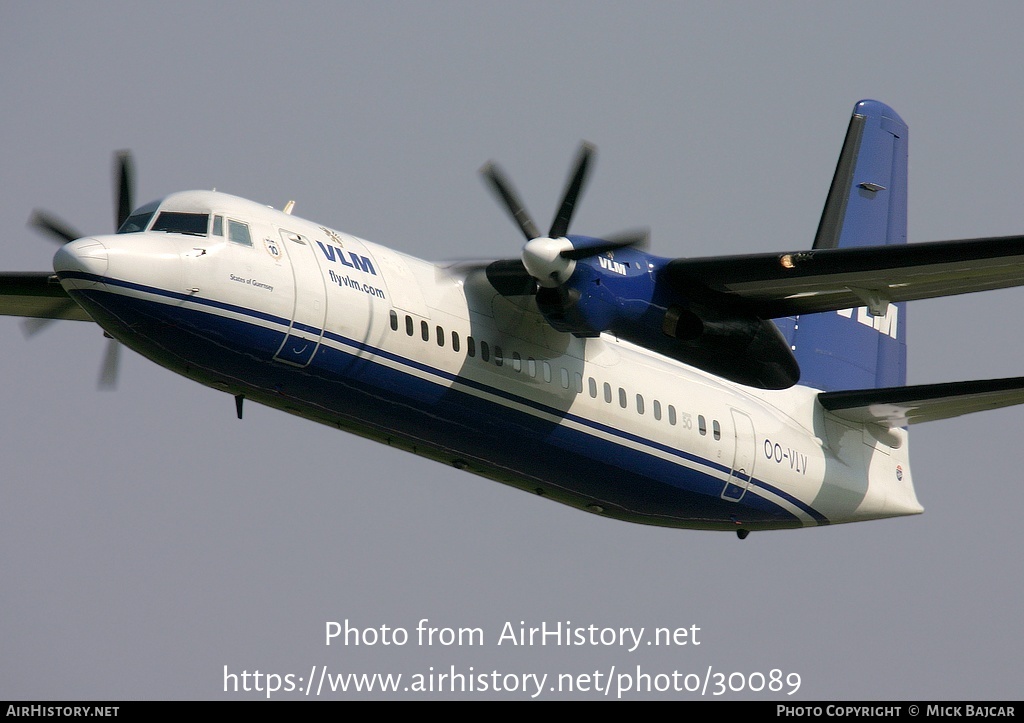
(288,207)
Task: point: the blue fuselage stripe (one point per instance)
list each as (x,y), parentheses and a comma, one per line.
(362,350)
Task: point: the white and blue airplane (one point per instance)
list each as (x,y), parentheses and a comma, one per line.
(740,393)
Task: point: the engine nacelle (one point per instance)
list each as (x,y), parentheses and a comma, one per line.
(624,293)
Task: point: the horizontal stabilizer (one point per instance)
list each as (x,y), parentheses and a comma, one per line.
(900,406)
(805,282)
(37,294)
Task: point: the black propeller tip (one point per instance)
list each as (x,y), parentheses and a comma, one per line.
(109,369)
(53,227)
(124,188)
(33,325)
(503,189)
(573,190)
(637,238)
(510,278)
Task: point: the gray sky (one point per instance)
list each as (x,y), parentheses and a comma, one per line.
(148,539)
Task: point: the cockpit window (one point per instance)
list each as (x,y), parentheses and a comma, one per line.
(239,233)
(140,219)
(193,224)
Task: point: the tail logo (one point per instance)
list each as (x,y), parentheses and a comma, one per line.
(885,324)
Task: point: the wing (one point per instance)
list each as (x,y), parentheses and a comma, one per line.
(805,282)
(900,406)
(37,294)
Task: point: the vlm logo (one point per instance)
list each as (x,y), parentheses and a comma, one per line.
(885,324)
(337,255)
(614,266)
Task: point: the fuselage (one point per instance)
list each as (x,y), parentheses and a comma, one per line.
(429,358)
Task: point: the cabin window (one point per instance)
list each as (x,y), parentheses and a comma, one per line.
(517,361)
(547,372)
(394,320)
(657,409)
(470,346)
(455,341)
(565,378)
(579,383)
(592,384)
(485,351)
(702,425)
(408,325)
(531,367)
(498,358)
(440,336)
(671,415)
(639,404)
(622,397)
(716,430)
(192,224)
(425,330)
(238,233)
(607,392)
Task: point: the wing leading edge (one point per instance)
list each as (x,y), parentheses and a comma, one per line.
(805,282)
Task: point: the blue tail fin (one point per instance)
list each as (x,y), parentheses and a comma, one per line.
(866,206)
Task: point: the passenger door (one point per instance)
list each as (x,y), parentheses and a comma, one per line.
(743,459)
(310,309)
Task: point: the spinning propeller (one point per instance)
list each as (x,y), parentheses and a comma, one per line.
(62,233)
(549,261)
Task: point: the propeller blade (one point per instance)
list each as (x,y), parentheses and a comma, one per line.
(108,372)
(625,239)
(573,189)
(639,238)
(500,184)
(510,278)
(50,224)
(124,188)
(32,326)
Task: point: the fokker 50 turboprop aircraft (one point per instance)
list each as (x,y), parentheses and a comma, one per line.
(730,393)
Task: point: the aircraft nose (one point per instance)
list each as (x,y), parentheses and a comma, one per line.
(84,259)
